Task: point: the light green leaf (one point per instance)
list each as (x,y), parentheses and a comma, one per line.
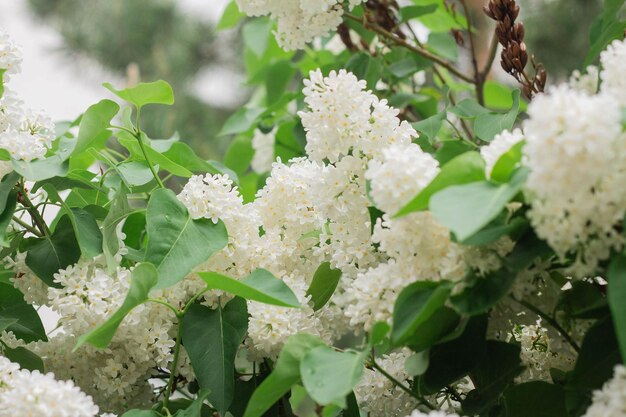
(53,166)
(259,286)
(431,126)
(144,277)
(488,125)
(417,363)
(195,408)
(87,232)
(211,339)
(286,374)
(157,92)
(256,35)
(155,157)
(323,285)
(176,242)
(231,17)
(96,120)
(329,376)
(507,163)
(465,168)
(468,108)
(119,210)
(135,173)
(465,209)
(241,121)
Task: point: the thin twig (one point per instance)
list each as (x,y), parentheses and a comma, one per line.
(401,42)
(401,385)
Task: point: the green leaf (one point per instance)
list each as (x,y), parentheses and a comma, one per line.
(440,326)
(2,71)
(195,409)
(431,126)
(278,78)
(119,210)
(465,168)
(6,217)
(96,120)
(259,286)
(302,405)
(144,277)
(485,293)
(155,157)
(535,398)
(6,187)
(286,373)
(411,12)
(329,376)
(256,35)
(18,316)
(24,357)
(231,17)
(211,339)
(616,295)
(4,322)
(51,253)
(323,285)
(488,125)
(497,369)
(465,209)
(176,242)
(417,363)
(468,108)
(241,121)
(416,304)
(87,232)
(135,173)
(141,413)
(507,163)
(157,92)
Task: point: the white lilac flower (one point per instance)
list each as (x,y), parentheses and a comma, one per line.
(343,118)
(500,145)
(399,174)
(24,394)
(418,413)
(263,145)
(577,185)
(610,401)
(299,21)
(587,82)
(10,56)
(613,61)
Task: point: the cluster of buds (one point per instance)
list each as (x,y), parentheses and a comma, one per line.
(514,56)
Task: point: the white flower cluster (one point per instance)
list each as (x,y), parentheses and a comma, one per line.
(613,60)
(574,148)
(539,354)
(610,401)
(25,134)
(299,21)
(24,394)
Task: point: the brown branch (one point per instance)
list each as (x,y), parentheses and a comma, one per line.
(401,42)
(478,79)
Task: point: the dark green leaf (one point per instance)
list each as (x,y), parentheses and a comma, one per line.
(259,286)
(87,232)
(6,217)
(24,357)
(416,304)
(51,253)
(616,295)
(176,242)
(212,338)
(323,285)
(536,398)
(6,186)
(26,323)
(144,278)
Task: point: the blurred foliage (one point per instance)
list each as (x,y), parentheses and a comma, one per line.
(163,43)
(557,32)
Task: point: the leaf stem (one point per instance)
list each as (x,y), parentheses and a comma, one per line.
(23,199)
(27,226)
(145,155)
(551,321)
(172,378)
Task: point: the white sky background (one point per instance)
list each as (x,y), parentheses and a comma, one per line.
(65,87)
